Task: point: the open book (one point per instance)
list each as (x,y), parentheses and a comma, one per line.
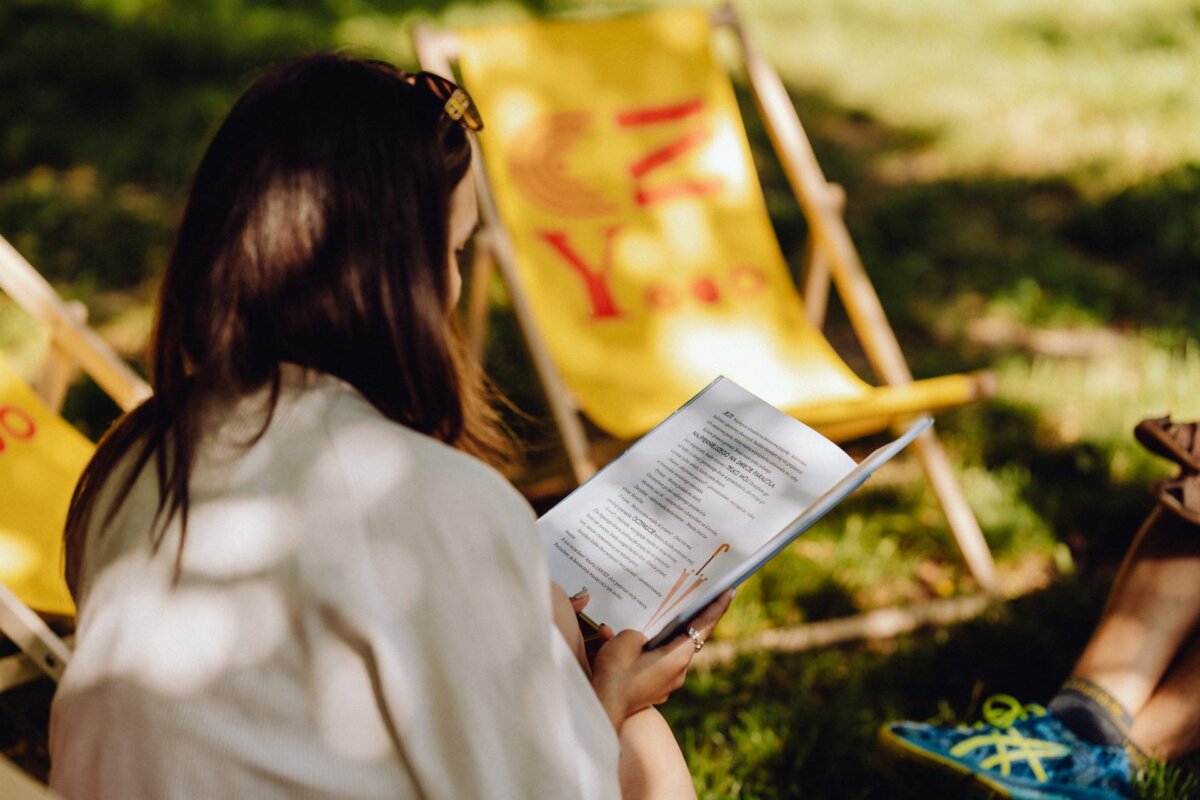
(695,507)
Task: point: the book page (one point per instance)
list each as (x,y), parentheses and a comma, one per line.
(686,504)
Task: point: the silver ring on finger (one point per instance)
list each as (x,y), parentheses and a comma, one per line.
(694,635)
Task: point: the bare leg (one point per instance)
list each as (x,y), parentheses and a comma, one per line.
(1166,726)
(1153,609)
(652,765)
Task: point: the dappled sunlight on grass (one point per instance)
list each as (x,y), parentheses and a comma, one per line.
(22,339)
(1101,398)
(1103,92)
(1013,527)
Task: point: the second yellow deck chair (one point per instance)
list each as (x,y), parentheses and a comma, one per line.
(622,205)
(41,458)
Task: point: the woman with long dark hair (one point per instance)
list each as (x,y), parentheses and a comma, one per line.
(295,575)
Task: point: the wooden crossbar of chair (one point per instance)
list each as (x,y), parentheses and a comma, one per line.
(16,785)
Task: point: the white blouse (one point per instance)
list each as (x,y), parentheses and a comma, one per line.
(363,612)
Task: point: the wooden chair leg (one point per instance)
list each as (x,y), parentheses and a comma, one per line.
(562,407)
(18,670)
(30,633)
(815,280)
(963,525)
(817,266)
(17,785)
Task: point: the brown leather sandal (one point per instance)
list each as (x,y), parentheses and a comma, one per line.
(1180,496)
(1177,441)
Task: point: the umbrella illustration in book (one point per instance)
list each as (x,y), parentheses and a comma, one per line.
(678,593)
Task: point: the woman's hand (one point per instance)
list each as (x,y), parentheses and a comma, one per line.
(565,610)
(628,679)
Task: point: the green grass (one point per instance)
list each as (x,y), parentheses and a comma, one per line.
(1104,92)
(1163,780)
(1024,188)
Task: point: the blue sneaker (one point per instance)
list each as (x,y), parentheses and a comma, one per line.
(1020,752)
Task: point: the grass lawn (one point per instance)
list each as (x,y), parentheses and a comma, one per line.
(1024,187)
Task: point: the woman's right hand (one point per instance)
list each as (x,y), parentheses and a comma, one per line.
(628,679)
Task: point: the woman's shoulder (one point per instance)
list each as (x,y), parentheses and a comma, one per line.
(375,452)
(397,500)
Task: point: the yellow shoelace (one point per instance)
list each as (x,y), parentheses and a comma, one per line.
(1000,713)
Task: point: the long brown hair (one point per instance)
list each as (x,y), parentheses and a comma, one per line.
(316,233)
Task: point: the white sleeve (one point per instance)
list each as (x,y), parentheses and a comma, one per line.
(446,598)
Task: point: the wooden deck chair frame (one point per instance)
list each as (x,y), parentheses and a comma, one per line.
(832,259)
(16,785)
(72,344)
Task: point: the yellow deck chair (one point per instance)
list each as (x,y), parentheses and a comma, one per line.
(41,457)
(621,203)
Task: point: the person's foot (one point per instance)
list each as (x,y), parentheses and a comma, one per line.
(1021,752)
(1176,441)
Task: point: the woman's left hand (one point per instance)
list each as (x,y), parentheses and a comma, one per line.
(566,610)
(628,678)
